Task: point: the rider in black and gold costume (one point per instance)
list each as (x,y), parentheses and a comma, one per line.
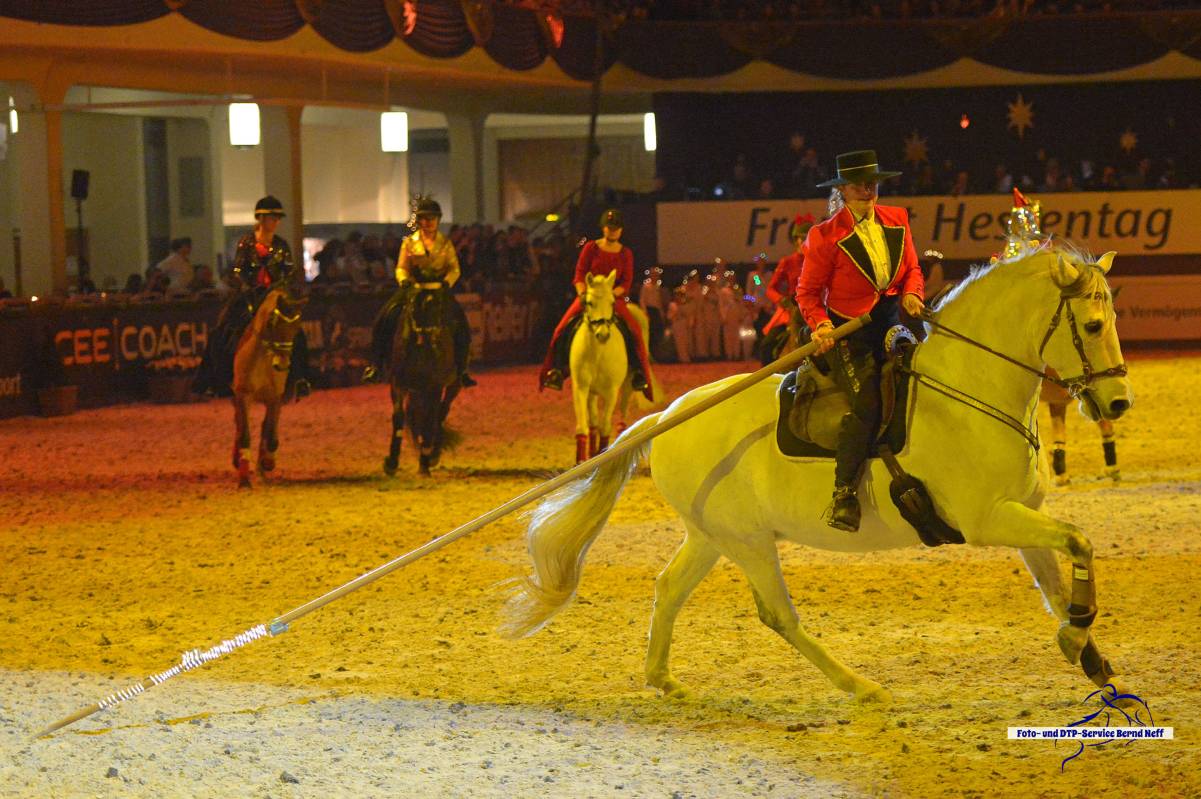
(262,261)
(425,257)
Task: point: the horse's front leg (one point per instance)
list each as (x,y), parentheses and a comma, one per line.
(604,418)
(1059,442)
(580,401)
(1012,524)
(241,454)
(1045,569)
(269,437)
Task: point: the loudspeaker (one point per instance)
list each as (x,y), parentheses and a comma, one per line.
(79,184)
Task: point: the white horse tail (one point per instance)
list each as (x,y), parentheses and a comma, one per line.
(561,529)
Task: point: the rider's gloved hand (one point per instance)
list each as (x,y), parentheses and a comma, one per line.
(913,305)
(823,337)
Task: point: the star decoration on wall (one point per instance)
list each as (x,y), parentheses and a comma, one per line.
(916,151)
(1128,140)
(1021,115)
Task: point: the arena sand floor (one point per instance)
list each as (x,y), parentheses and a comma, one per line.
(126,542)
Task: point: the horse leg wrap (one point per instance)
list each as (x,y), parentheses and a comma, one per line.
(1059,458)
(1083,609)
(603,444)
(581,447)
(1094,665)
(1110,449)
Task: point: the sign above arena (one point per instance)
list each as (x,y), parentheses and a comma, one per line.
(963,228)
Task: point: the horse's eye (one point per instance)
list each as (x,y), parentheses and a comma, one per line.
(1093,327)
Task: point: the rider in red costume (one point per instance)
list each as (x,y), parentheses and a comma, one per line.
(600,257)
(782,288)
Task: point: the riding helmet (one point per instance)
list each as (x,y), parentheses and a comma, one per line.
(269,206)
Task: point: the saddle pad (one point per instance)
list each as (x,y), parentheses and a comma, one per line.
(893,436)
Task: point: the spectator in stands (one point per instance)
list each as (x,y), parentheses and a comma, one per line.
(133,284)
(5,294)
(202,279)
(156,283)
(1002,180)
(177,267)
(962,184)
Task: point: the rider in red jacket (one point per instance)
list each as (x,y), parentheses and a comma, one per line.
(860,260)
(600,257)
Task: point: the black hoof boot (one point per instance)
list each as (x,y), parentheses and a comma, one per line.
(638,381)
(302,389)
(844,512)
(553,379)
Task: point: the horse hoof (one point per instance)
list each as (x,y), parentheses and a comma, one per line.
(1062,479)
(243,481)
(390,465)
(1071,641)
(1114,474)
(671,688)
(873,693)
(266,465)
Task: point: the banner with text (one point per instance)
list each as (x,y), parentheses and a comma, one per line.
(962,228)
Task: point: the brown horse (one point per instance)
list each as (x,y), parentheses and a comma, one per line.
(261,364)
(424,378)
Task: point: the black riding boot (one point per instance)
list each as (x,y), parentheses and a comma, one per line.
(854,439)
(561,357)
(462,340)
(383,330)
(298,385)
(637,378)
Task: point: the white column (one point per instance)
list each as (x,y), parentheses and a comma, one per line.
(466,133)
(282,167)
(29,153)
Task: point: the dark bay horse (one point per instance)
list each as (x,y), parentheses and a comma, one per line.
(424,378)
(261,364)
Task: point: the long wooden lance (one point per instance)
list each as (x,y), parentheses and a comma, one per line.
(197,657)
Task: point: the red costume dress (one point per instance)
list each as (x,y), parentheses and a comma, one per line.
(783,284)
(595,261)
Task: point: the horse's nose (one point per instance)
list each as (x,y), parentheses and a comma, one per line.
(1118,407)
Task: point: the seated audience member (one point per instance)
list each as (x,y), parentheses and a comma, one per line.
(202,279)
(178,265)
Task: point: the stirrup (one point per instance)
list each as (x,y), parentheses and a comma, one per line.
(466,380)
(301,389)
(370,374)
(553,379)
(638,380)
(844,510)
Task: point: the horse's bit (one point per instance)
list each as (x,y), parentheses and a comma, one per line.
(279,349)
(600,326)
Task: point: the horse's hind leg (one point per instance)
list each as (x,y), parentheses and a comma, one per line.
(760,561)
(688,566)
(1045,569)
(1109,448)
(1059,442)
(398,428)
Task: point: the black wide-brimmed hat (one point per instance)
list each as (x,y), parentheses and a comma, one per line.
(860,166)
(269,206)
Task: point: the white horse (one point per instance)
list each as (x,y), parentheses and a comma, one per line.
(600,380)
(737,493)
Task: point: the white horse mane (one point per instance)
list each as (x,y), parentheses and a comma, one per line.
(1090,279)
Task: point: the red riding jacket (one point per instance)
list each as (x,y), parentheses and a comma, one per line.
(838,272)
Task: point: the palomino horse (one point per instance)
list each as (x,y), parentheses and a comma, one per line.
(600,380)
(261,364)
(424,379)
(969,439)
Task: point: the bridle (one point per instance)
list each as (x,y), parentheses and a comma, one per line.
(280,349)
(422,330)
(1074,385)
(601,328)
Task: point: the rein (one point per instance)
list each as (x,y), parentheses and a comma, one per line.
(1074,386)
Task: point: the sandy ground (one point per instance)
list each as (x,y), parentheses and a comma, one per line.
(126,542)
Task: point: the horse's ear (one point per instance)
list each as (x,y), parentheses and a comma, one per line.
(1113,293)
(1106,261)
(1064,272)
(611,278)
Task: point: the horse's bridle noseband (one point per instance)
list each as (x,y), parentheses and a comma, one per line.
(598,325)
(1075,385)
